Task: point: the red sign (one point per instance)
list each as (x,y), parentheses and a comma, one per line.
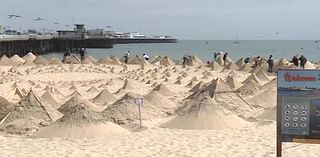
(296,77)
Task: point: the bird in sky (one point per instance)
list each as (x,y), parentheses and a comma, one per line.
(38,19)
(13,16)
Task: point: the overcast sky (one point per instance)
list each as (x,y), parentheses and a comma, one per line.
(184,19)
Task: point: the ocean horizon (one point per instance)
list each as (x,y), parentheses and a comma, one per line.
(205,49)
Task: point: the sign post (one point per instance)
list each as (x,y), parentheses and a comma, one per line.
(298,107)
(139,102)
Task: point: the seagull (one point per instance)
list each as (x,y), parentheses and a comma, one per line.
(56,23)
(13,16)
(38,19)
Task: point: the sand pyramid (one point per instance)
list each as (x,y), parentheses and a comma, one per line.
(232,82)
(240,62)
(116,60)
(86,61)
(104,97)
(261,75)
(73,101)
(135,60)
(194,79)
(166,61)
(162,89)
(73,59)
(73,87)
(160,101)
(194,61)
(155,60)
(249,88)
(40,61)
(222,93)
(266,99)
(178,82)
(29,57)
(29,63)
(232,66)
(220,61)
(125,111)
(5,107)
(253,77)
(54,61)
(105,60)
(197,87)
(29,107)
(19,93)
(214,65)
(92,59)
(246,67)
(190,84)
(16,60)
(80,122)
(127,85)
(93,89)
(205,113)
(74,93)
(5,60)
(48,98)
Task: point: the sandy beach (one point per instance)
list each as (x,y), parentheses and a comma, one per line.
(48,108)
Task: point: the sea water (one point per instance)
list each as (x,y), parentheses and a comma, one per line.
(205,49)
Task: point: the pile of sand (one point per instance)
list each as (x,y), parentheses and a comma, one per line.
(135,60)
(232,82)
(5,107)
(266,98)
(41,61)
(205,113)
(125,111)
(128,85)
(214,65)
(54,61)
(197,87)
(5,60)
(48,98)
(163,90)
(75,100)
(166,61)
(104,97)
(223,94)
(29,57)
(240,63)
(105,60)
(80,122)
(246,68)
(92,89)
(16,60)
(29,107)
(249,88)
(261,75)
(160,101)
(253,77)
(72,60)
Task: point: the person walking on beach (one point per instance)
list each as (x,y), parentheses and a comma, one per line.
(303,61)
(270,64)
(145,56)
(82,52)
(295,61)
(126,57)
(185,59)
(225,55)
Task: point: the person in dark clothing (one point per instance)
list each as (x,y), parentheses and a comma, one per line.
(126,57)
(295,61)
(65,56)
(225,55)
(270,64)
(247,60)
(185,60)
(82,52)
(303,61)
